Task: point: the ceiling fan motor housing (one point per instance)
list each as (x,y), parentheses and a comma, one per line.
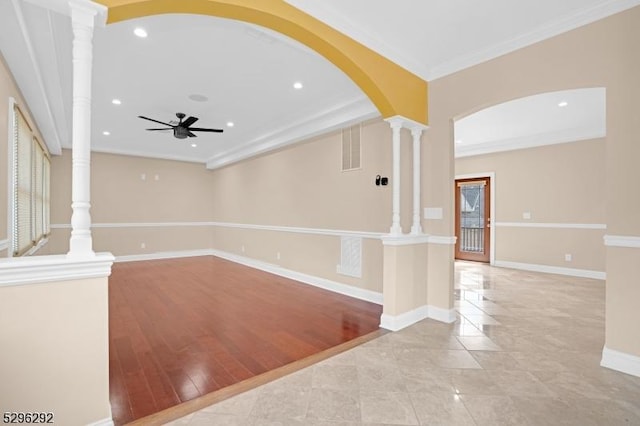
(180,132)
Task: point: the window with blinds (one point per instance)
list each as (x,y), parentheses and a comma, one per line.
(31,169)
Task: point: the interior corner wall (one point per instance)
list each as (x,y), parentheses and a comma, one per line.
(563,188)
(304,187)
(161,204)
(601,54)
(8,89)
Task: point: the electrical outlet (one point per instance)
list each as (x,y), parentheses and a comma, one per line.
(156,177)
(526,215)
(278,255)
(568,257)
(143,176)
(143,245)
(242,248)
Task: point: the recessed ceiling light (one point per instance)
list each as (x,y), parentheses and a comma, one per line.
(230,124)
(563,104)
(116,101)
(297,85)
(198,98)
(140,32)
(193,145)
(106,133)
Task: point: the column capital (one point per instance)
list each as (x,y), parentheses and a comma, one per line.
(403,122)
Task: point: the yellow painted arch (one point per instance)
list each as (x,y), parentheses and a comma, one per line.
(393,90)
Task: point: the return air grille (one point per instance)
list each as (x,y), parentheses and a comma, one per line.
(351,148)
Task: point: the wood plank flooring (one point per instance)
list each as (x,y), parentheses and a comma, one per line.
(182,328)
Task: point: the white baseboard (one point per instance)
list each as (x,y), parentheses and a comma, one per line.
(583,273)
(398,322)
(442,315)
(620,361)
(336,287)
(163,255)
(104,422)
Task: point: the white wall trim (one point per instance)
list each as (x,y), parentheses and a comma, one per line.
(350,112)
(620,361)
(104,422)
(550,225)
(439,239)
(622,241)
(583,273)
(404,239)
(51,133)
(443,315)
(4,244)
(39,269)
(301,230)
(530,141)
(559,26)
(163,255)
(492,208)
(336,287)
(398,322)
(293,229)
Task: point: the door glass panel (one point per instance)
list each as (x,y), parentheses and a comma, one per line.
(472,220)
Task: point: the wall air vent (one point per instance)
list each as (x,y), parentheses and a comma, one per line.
(350,256)
(351,150)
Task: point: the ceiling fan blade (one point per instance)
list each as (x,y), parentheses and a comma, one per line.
(192,135)
(198,129)
(189,121)
(165,128)
(151,119)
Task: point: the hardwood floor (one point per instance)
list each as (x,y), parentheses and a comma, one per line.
(183,328)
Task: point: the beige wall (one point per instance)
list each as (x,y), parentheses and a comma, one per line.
(557,184)
(120,196)
(55,350)
(602,54)
(304,186)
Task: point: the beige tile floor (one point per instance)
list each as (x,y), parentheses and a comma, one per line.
(525,350)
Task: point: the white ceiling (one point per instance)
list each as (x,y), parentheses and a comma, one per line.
(544,119)
(247,72)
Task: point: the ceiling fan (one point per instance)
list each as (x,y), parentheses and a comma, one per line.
(183,129)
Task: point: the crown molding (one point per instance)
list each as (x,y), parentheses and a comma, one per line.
(26,70)
(353,111)
(323,12)
(559,26)
(532,141)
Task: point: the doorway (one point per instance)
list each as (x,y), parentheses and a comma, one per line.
(473,219)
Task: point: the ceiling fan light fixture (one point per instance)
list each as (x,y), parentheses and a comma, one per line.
(106,133)
(230,124)
(116,101)
(194,145)
(298,85)
(563,104)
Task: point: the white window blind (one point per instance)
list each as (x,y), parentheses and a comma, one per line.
(31,170)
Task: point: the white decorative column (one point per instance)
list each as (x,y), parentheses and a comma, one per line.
(416,227)
(82,22)
(396,228)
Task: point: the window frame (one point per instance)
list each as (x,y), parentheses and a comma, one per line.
(39,219)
